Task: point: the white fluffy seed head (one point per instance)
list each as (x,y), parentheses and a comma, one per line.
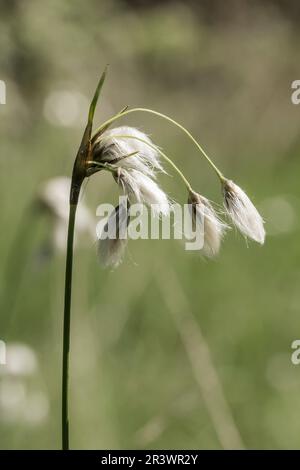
(141,188)
(113,239)
(207,221)
(111,252)
(112,149)
(242,212)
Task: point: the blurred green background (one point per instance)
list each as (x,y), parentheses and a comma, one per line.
(169,350)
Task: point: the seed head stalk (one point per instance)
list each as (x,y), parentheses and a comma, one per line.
(162,154)
(164,116)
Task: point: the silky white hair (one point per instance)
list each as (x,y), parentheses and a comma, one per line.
(207,221)
(136,165)
(111,148)
(242,212)
(142,189)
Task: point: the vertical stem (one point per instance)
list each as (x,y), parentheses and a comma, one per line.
(66,328)
(78,175)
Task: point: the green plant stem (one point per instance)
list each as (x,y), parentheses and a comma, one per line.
(66,327)
(167,118)
(78,176)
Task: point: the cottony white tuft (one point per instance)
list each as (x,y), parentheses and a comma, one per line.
(242,212)
(112,149)
(206,220)
(113,239)
(142,189)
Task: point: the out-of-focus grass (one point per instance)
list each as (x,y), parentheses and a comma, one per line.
(131,381)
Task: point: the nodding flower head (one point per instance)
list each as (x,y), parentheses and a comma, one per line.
(53,199)
(207,222)
(113,239)
(242,212)
(114,145)
(141,188)
(134,161)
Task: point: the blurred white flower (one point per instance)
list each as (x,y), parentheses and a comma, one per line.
(242,212)
(66,108)
(21,360)
(53,197)
(12,398)
(20,401)
(281,214)
(207,222)
(134,161)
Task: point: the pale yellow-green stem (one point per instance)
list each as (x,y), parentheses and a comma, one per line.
(163,155)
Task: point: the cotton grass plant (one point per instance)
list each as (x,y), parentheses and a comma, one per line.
(135,162)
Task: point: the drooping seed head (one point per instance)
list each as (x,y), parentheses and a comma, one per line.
(207,222)
(140,188)
(53,199)
(242,212)
(113,239)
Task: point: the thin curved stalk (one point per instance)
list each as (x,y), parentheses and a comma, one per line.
(167,118)
(161,153)
(66,327)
